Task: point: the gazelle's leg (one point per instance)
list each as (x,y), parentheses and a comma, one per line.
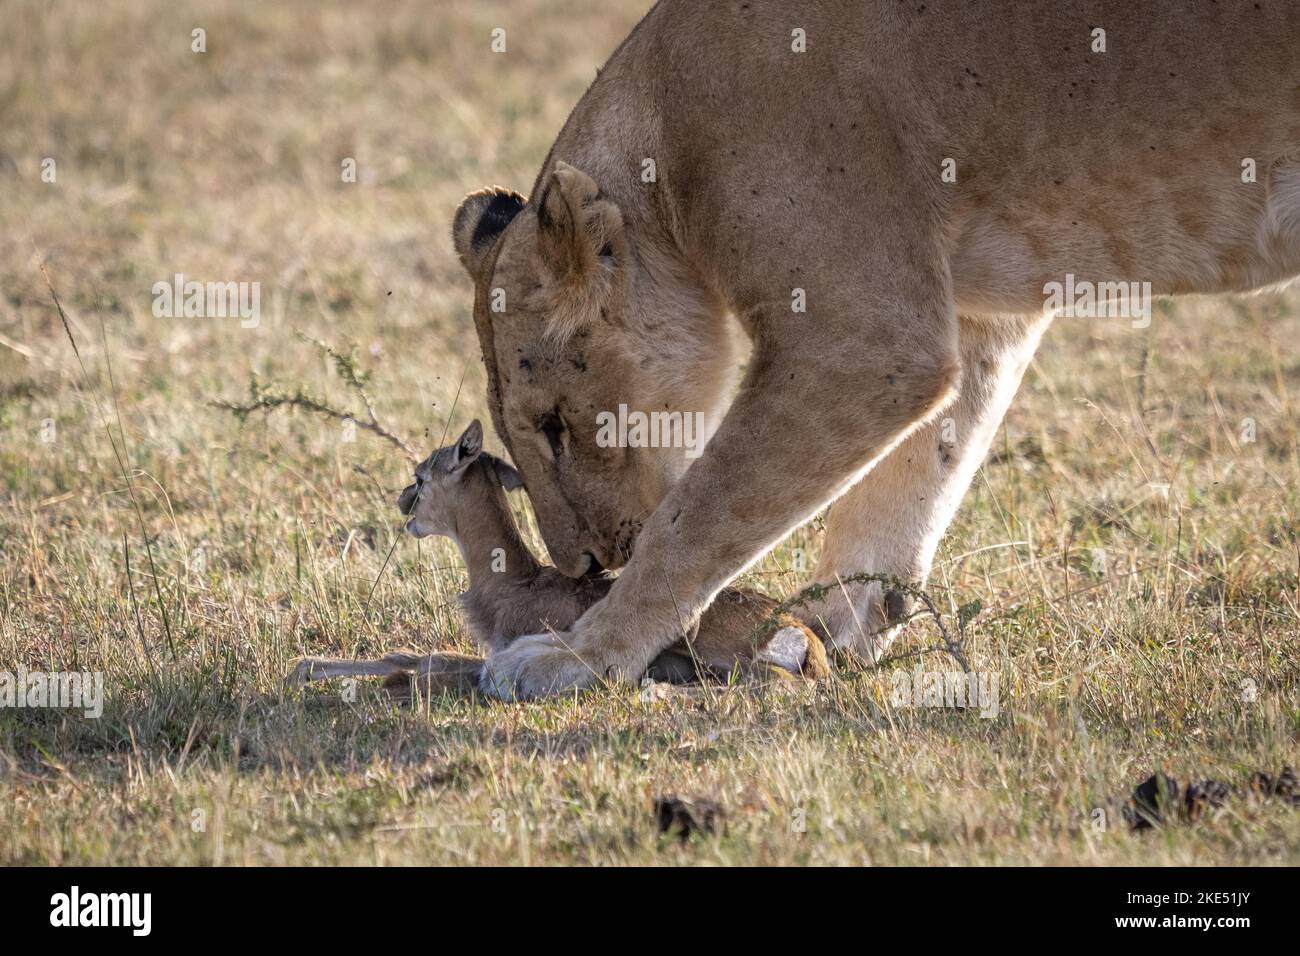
(438,674)
(891,522)
(741,629)
(321,668)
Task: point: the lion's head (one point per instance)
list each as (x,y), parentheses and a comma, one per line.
(579,310)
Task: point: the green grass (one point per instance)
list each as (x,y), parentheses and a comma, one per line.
(267,537)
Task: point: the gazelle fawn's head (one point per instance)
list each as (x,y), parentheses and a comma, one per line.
(454,485)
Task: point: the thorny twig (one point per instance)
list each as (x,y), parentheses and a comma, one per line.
(263,397)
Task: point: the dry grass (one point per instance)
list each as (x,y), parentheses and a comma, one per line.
(266,538)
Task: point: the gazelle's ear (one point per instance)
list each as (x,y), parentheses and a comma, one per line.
(480,219)
(468,447)
(581,240)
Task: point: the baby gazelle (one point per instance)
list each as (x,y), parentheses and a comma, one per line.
(459,492)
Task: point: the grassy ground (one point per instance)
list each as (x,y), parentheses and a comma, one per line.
(1134,552)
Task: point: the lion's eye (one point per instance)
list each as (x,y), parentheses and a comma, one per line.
(552,426)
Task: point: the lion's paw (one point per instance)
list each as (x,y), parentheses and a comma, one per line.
(539,665)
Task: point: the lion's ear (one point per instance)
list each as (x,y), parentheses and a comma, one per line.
(581,241)
(479,220)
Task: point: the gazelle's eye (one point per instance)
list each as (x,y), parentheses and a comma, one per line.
(552,426)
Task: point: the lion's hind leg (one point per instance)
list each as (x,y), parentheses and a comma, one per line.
(889,524)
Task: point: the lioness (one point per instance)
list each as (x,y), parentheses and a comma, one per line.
(881,194)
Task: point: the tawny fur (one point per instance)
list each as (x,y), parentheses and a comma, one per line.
(816,176)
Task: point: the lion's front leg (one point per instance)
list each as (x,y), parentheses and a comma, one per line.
(891,522)
(814,412)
